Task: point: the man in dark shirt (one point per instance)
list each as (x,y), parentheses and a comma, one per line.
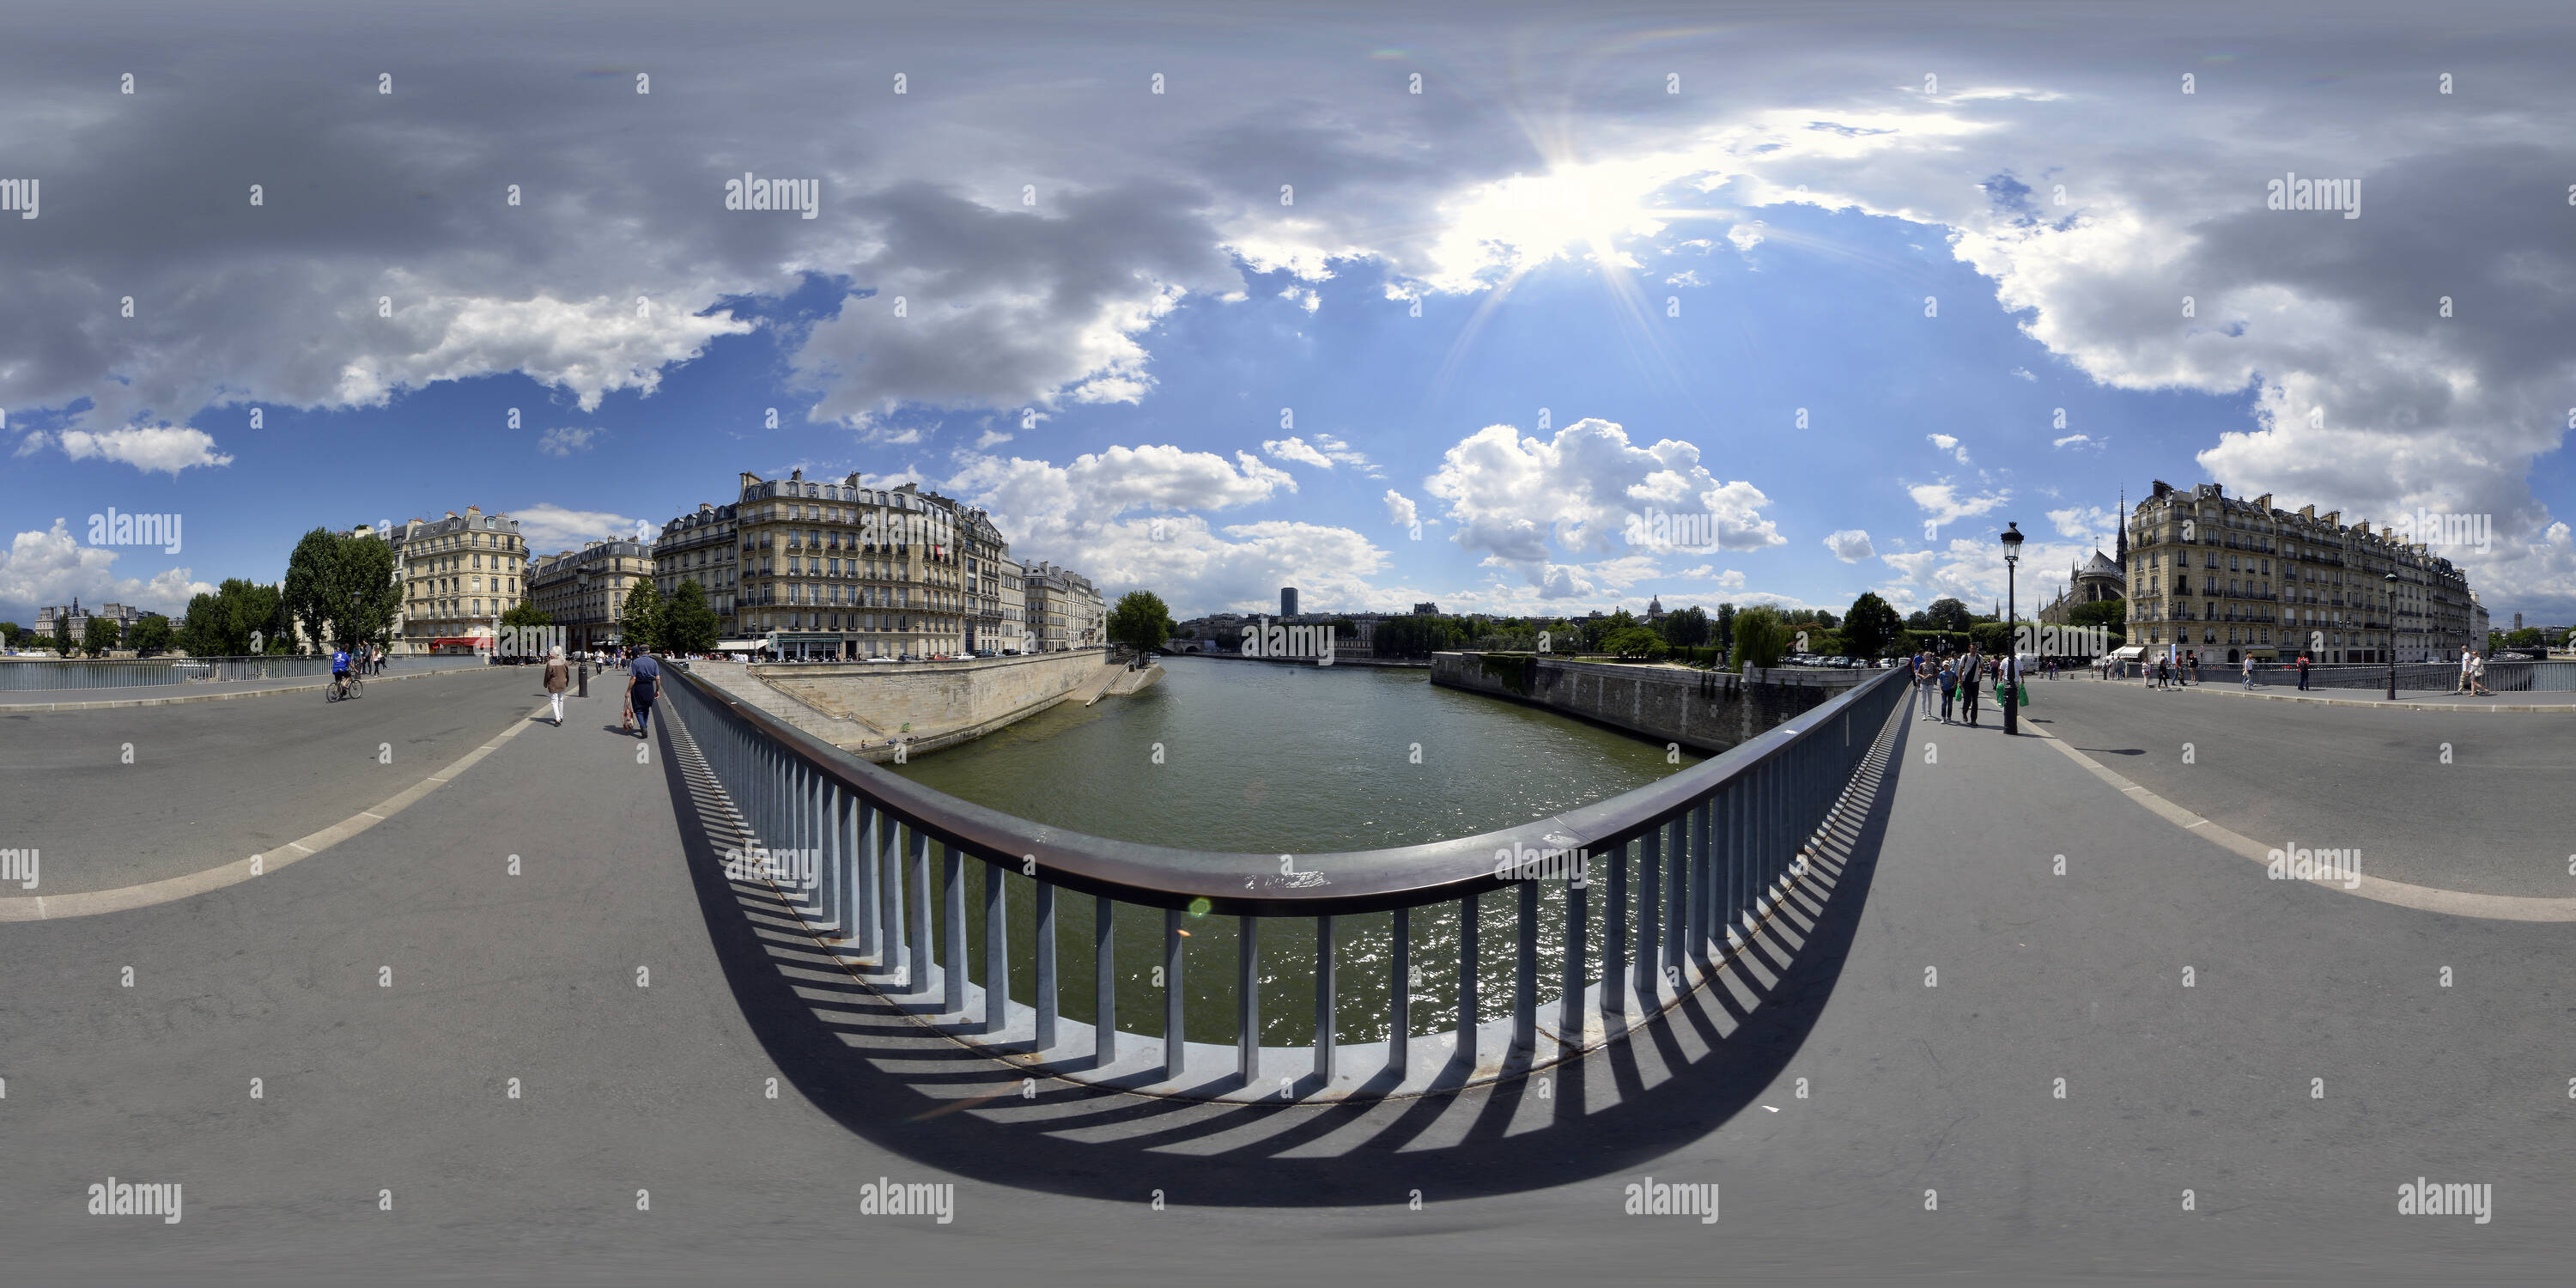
(643,680)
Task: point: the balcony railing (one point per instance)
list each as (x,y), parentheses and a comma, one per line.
(1691,865)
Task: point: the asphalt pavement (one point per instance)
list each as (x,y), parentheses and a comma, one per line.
(2452,799)
(2250,1069)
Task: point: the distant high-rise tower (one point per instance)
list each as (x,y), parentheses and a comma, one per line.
(2517,621)
(1287,601)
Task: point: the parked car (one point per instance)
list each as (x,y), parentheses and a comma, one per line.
(877,659)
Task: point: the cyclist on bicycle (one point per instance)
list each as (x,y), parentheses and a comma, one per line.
(340,668)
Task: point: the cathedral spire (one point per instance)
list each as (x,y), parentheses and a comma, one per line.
(2120,551)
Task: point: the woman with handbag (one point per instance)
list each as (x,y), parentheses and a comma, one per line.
(558,678)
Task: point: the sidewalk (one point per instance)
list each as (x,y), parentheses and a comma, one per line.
(15,701)
(2411,700)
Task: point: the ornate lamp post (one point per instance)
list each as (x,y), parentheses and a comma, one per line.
(2012,646)
(2390,578)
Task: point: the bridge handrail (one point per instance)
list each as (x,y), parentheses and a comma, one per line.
(1355,881)
(1711,850)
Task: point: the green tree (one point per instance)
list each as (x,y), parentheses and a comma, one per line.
(1989,637)
(1948,614)
(99,635)
(1686,628)
(62,634)
(1634,642)
(640,622)
(2111,613)
(150,635)
(8,635)
(1722,627)
(1141,622)
(2524,638)
(1872,628)
(341,589)
(221,624)
(526,613)
(1760,639)
(688,625)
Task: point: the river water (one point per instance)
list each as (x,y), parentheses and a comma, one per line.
(1267,758)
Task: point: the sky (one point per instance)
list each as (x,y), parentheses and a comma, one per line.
(1390,302)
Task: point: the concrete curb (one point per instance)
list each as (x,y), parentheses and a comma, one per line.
(90,903)
(2460,903)
(18,708)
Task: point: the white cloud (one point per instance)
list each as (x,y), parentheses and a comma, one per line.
(33,443)
(1400,509)
(165,449)
(1745,237)
(564,441)
(2024,373)
(1945,505)
(1687,277)
(2090,524)
(2074,440)
(550,528)
(1515,498)
(1949,443)
(51,567)
(1297,449)
(1851,545)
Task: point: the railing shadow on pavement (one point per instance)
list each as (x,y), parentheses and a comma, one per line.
(875,1065)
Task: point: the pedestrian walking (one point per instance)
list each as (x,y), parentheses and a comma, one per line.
(1948,679)
(2303,672)
(1925,675)
(1971,673)
(2478,676)
(558,678)
(2249,670)
(643,675)
(2465,657)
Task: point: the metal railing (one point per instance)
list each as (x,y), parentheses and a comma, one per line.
(1692,864)
(32,674)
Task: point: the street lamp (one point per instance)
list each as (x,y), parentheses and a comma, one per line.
(2390,578)
(2012,647)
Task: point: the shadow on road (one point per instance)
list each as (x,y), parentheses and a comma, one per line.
(918,1093)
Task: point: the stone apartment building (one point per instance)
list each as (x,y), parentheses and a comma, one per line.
(2230,577)
(700,546)
(1064,610)
(459,574)
(583,592)
(834,568)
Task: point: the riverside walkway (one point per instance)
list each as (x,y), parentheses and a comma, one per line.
(521,1024)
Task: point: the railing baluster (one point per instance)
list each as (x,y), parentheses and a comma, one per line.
(920,975)
(997,952)
(1399,994)
(1614,933)
(1324,961)
(1650,879)
(1578,914)
(864,867)
(952,905)
(1704,895)
(1677,903)
(1045,949)
(1247,999)
(1104,981)
(1525,973)
(1467,929)
(1175,1041)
